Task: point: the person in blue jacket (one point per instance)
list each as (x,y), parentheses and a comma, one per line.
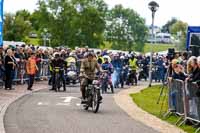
(118,66)
(161,69)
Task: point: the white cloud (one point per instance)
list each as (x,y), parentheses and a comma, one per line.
(186,10)
(15,5)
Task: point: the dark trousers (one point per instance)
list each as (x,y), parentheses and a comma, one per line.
(8,80)
(31,81)
(132,77)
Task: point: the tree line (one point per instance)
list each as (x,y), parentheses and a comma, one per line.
(74,23)
(78,23)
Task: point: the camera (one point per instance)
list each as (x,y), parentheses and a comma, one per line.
(171,54)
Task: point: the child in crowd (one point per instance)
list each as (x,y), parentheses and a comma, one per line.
(31,68)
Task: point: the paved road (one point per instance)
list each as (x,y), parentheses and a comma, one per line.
(50,112)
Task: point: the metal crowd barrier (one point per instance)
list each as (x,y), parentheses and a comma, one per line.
(44,70)
(184,100)
(21,77)
(20,72)
(176,97)
(192,102)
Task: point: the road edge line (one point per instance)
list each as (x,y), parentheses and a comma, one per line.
(125,102)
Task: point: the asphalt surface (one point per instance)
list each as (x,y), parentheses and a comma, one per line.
(61,112)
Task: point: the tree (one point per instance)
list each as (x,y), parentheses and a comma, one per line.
(72,23)
(24,14)
(167,26)
(180,27)
(125,29)
(41,19)
(8,24)
(16,26)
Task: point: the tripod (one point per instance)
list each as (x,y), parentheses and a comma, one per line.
(165,83)
(163,90)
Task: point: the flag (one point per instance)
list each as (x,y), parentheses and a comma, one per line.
(1,23)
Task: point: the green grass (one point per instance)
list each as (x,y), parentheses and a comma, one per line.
(34,41)
(147,100)
(147,48)
(157,47)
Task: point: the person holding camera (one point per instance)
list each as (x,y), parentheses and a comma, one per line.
(177,70)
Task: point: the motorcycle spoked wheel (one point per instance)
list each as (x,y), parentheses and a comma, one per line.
(88,95)
(95,101)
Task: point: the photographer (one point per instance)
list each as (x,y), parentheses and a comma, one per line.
(177,70)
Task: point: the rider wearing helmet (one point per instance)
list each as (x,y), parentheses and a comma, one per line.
(108,67)
(133,66)
(87,72)
(58,62)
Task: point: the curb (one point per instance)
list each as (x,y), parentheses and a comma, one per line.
(125,102)
(6,105)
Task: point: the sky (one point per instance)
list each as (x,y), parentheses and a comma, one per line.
(185,10)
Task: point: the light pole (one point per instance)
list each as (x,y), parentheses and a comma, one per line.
(153,6)
(46,37)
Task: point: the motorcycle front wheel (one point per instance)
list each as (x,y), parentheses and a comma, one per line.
(95,101)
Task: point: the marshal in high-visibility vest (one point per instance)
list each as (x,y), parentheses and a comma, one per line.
(133,64)
(100,60)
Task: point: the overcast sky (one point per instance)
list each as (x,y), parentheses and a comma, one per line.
(185,10)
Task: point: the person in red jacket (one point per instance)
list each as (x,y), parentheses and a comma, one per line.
(31,68)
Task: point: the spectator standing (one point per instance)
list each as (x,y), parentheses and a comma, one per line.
(31,68)
(10,65)
(193,70)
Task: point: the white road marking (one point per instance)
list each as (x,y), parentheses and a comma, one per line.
(41,103)
(63,104)
(78,104)
(68,99)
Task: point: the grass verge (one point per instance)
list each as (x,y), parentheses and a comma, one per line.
(157,47)
(147,100)
(34,41)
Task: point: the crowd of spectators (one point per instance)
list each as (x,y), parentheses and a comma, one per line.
(12,59)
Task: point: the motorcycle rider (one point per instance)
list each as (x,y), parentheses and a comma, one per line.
(133,66)
(108,67)
(87,73)
(71,68)
(118,66)
(58,62)
(144,66)
(100,59)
